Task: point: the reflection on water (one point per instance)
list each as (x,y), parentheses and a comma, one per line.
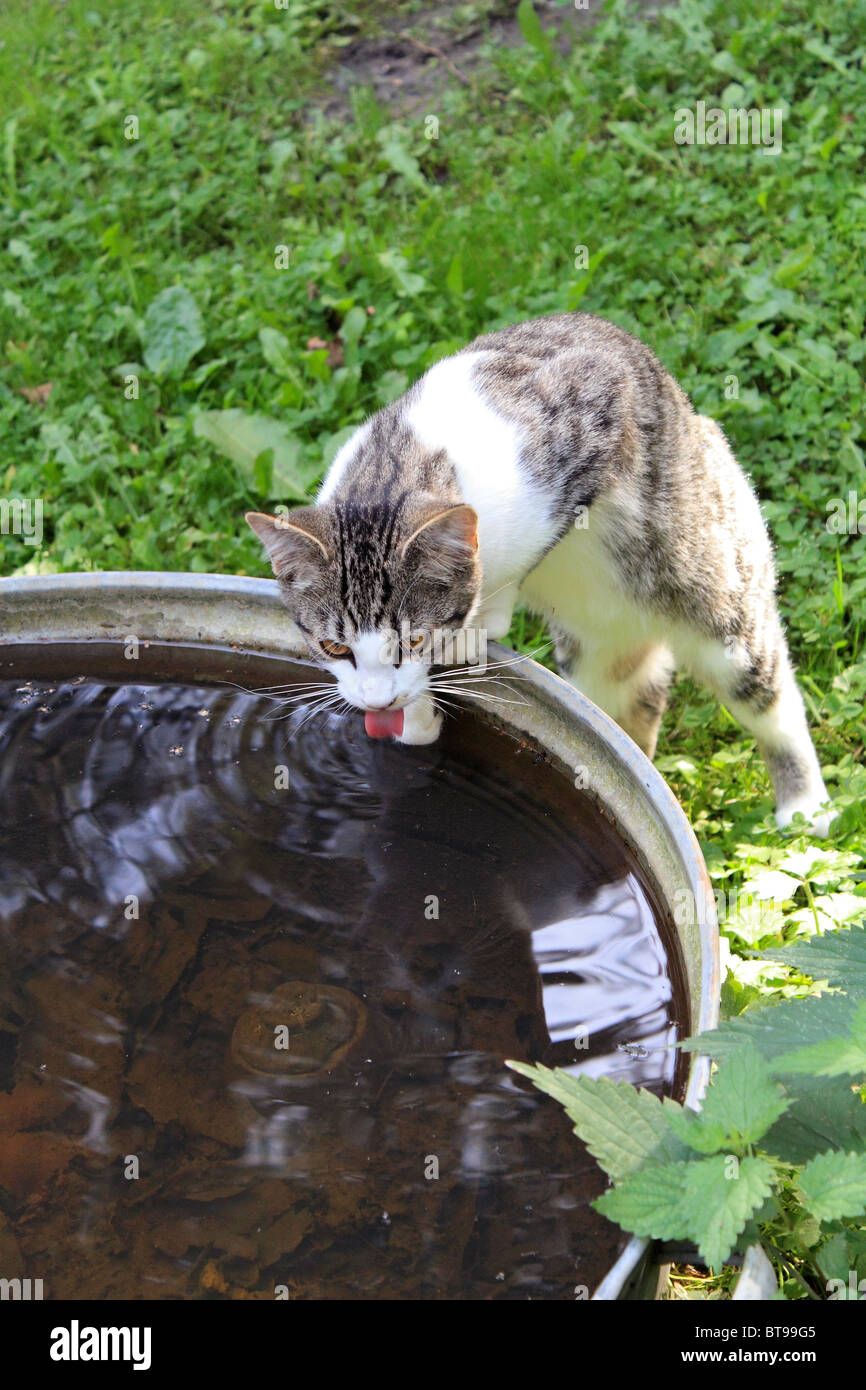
(259,976)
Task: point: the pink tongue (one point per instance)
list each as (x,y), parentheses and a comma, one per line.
(382,723)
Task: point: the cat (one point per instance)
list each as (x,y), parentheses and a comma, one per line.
(557,462)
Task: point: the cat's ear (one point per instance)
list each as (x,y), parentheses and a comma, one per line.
(445,543)
(293,541)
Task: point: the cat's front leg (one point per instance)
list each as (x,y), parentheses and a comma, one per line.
(422,722)
(495,613)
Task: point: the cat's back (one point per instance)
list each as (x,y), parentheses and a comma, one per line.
(543,338)
(591,403)
(542,413)
(574,363)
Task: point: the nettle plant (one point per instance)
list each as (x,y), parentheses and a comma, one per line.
(777,1154)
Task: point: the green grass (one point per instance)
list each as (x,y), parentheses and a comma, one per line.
(730,263)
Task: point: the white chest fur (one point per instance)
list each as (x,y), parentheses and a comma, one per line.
(514,517)
(577,586)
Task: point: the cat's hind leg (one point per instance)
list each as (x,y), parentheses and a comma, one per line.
(755,680)
(631,686)
(648,691)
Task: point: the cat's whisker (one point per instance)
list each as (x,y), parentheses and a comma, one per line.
(322,707)
(477,695)
(306,698)
(316,701)
(444,706)
(487,940)
(257,689)
(494,592)
(434,694)
(268,691)
(470,683)
(523,656)
(300,695)
(499,665)
(471,693)
(468,669)
(466,673)
(291,685)
(297,700)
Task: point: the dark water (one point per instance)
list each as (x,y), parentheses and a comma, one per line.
(403,920)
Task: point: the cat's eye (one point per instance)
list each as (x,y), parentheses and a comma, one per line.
(417,640)
(334,649)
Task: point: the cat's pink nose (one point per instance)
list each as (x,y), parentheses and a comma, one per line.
(373,695)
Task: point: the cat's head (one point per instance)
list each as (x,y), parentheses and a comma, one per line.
(368,587)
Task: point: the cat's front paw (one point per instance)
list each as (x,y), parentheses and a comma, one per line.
(816,812)
(422,722)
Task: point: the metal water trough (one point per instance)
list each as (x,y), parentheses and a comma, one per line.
(221,610)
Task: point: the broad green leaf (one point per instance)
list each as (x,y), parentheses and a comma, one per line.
(856,1242)
(809,863)
(833,1056)
(779,1029)
(242,438)
(725,62)
(530,28)
(841,907)
(390,385)
(650,1202)
(788,272)
(700,1134)
(825,1113)
(205,370)
(709,1201)
(811,919)
(720,1194)
(172,332)
(624,1128)
(770,885)
(833,1259)
(742,1097)
(263,472)
(353,326)
(755,919)
(397,266)
(823,51)
(24,253)
(276,350)
(839,957)
(808,1232)
(833,1185)
(627,132)
(454,278)
(395,153)
(280,153)
(740,1106)
(737,996)
(116,242)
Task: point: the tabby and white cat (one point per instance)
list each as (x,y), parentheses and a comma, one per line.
(556,462)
